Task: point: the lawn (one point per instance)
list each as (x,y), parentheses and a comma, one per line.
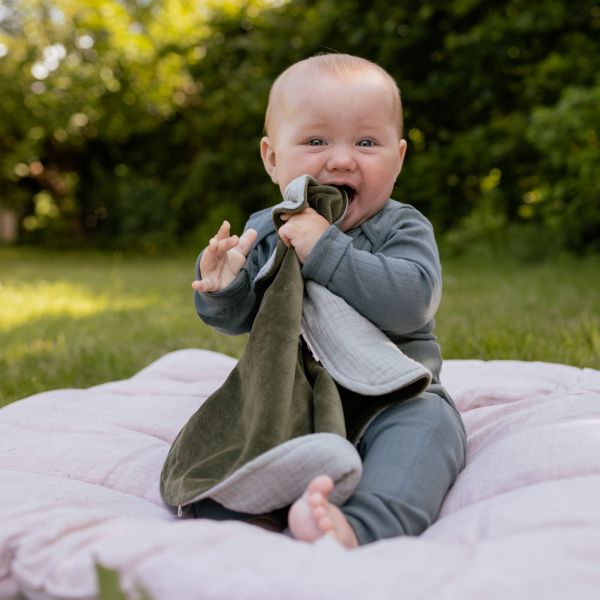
(76,319)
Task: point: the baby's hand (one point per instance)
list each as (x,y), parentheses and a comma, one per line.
(302,231)
(223,258)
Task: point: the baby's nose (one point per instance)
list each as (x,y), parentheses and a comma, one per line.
(341,158)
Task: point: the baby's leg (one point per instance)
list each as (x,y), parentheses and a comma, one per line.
(412,453)
(312,516)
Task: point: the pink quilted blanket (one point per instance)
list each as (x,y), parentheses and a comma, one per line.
(79,476)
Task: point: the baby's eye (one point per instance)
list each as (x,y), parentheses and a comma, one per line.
(315,142)
(365,143)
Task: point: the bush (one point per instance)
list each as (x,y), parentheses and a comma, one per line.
(567,198)
(501,111)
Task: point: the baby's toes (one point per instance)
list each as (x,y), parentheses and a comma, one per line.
(316,499)
(319,512)
(325,524)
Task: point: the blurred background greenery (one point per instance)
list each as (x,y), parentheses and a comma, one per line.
(135,123)
(129,129)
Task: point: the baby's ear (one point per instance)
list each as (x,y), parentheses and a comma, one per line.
(267,152)
(401,154)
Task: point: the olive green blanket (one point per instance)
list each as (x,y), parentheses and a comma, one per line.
(278,419)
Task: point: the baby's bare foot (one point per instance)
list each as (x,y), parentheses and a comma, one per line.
(312,516)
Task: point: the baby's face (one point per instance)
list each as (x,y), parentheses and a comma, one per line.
(341,131)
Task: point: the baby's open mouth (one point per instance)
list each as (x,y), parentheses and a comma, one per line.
(349,190)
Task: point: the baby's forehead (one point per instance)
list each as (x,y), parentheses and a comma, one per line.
(313,84)
(305,74)
(309,80)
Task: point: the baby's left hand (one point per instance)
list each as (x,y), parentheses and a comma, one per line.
(302,231)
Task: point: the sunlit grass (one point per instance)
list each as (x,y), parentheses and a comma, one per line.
(24,302)
(78,319)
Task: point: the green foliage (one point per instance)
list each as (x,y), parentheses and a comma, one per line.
(567,136)
(138,212)
(92,140)
(164,103)
(109,585)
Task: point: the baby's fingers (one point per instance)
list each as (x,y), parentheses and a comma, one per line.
(206,284)
(220,247)
(246,240)
(199,285)
(224,231)
(214,253)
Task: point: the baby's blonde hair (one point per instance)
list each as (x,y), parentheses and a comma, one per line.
(336,65)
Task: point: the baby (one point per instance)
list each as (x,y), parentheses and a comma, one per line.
(338,118)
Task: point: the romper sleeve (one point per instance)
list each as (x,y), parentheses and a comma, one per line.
(395,282)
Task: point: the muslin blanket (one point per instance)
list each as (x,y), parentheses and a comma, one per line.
(79,473)
(278,420)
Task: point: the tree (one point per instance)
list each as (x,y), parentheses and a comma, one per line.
(139,121)
(84,84)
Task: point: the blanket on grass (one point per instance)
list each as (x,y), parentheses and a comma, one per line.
(79,472)
(278,420)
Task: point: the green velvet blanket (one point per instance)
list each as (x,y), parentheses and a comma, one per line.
(276,392)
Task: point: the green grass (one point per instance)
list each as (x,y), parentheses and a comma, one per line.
(79,319)
(76,319)
(548,311)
